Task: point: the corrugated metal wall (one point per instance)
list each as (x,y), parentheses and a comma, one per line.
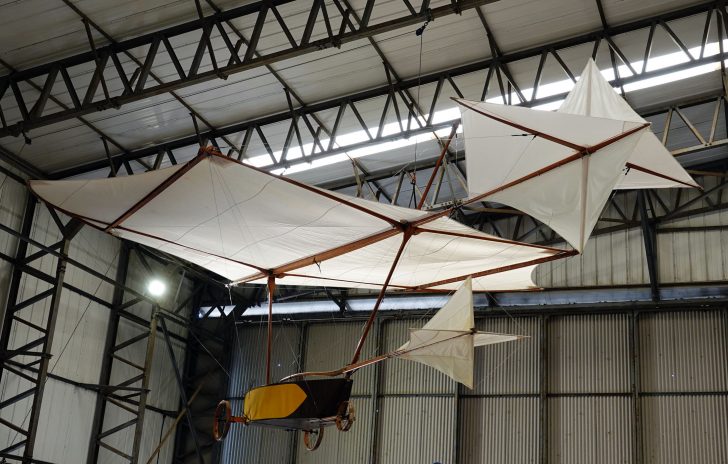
(570,393)
(253,444)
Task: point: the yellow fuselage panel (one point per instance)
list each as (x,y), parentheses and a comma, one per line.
(273,401)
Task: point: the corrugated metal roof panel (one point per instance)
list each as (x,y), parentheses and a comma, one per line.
(442,44)
(619,11)
(64,430)
(248,370)
(257,444)
(331,346)
(82,323)
(59,32)
(155,425)
(521,24)
(13,197)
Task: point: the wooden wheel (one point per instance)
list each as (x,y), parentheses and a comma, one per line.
(312,438)
(345,416)
(221,421)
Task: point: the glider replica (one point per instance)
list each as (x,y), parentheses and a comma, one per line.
(251,226)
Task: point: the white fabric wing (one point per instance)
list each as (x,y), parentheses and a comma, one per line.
(594,96)
(242,223)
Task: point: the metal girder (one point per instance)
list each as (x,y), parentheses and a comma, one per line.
(136,384)
(105,375)
(28,363)
(182,391)
(207,365)
(237,57)
(648,236)
(392,97)
(134,403)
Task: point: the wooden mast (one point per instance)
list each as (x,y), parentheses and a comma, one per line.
(271,289)
(407,233)
(445,147)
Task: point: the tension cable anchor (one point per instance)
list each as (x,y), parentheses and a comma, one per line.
(428,18)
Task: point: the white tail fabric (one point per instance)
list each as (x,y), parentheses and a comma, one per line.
(594,96)
(447,341)
(558,168)
(526,159)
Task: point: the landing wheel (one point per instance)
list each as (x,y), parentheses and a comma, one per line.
(346,415)
(312,438)
(221,422)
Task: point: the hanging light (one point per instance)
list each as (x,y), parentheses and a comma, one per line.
(156,287)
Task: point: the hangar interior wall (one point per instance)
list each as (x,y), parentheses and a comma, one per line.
(67,408)
(585,387)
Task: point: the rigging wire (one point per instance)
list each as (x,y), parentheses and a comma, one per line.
(219,228)
(413,176)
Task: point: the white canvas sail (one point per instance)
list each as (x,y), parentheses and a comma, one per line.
(652,165)
(243,224)
(558,168)
(447,341)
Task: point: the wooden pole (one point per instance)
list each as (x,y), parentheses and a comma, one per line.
(445,147)
(357,353)
(271,289)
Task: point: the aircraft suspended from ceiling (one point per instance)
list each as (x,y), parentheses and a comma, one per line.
(251,226)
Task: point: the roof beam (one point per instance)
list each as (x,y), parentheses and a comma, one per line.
(259,10)
(396,89)
(142,72)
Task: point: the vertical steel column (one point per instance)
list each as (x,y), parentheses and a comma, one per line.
(636,388)
(182,391)
(375,390)
(543,392)
(196,372)
(302,342)
(458,427)
(110,393)
(122,268)
(152,337)
(29,363)
(648,234)
(46,348)
(14,287)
